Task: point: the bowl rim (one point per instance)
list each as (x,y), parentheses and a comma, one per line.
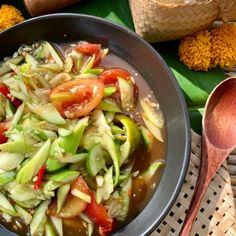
(187,129)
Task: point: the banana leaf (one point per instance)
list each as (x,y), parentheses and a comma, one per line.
(117,11)
(196,86)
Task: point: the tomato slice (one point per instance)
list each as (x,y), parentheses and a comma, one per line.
(104,231)
(110,76)
(90,49)
(77,98)
(3,129)
(73,205)
(5,91)
(98,214)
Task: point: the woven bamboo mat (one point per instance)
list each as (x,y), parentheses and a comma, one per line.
(216,215)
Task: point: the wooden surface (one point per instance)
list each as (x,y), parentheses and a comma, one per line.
(231,161)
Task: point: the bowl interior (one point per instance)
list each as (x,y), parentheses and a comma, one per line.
(63,28)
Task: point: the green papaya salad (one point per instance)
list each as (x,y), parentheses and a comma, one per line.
(68,136)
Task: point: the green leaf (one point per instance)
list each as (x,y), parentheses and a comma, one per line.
(196,85)
(117,11)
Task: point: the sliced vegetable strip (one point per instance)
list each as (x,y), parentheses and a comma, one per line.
(73,205)
(70,136)
(31,168)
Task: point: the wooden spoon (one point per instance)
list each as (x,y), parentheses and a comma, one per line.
(218,141)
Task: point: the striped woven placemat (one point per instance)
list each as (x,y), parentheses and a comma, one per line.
(216,215)
(231,161)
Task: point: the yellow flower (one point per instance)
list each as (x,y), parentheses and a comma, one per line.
(208,49)
(223,46)
(195,51)
(9,16)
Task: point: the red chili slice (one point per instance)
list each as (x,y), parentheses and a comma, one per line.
(6,92)
(38,182)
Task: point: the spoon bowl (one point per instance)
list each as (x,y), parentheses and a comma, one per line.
(218,141)
(220,115)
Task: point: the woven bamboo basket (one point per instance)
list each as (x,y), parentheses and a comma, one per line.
(162,20)
(228,10)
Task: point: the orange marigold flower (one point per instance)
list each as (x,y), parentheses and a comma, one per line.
(195,51)
(208,49)
(9,16)
(223,46)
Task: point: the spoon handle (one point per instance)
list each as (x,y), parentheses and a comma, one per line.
(200,189)
(206,173)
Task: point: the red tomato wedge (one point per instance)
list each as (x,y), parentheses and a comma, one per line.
(73,205)
(89,49)
(77,98)
(104,231)
(5,91)
(98,214)
(110,76)
(3,129)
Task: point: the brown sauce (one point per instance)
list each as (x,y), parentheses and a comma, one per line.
(15,225)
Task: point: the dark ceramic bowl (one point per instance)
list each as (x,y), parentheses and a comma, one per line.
(62,28)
